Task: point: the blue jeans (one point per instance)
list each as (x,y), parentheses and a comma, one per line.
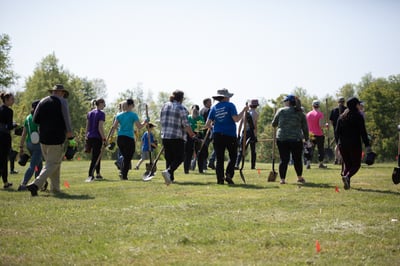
(36,162)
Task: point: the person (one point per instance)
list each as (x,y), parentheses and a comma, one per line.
(146,146)
(223,116)
(349,132)
(174,126)
(53,117)
(292,128)
(95,136)
(125,122)
(6,125)
(204,111)
(33,147)
(315,121)
(251,134)
(196,122)
(333,117)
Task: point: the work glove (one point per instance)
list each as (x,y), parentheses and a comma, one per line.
(72,143)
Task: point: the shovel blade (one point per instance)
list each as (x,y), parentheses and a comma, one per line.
(396,175)
(272,176)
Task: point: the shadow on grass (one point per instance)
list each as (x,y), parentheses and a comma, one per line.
(239,185)
(62,195)
(378,191)
(317,185)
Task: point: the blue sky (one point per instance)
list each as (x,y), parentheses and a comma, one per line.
(256,49)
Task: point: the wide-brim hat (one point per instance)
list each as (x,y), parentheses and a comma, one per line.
(60,87)
(224,93)
(370,158)
(254,103)
(23,159)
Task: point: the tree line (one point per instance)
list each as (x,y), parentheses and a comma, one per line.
(381,97)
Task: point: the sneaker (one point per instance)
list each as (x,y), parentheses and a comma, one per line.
(13,172)
(7,185)
(89,178)
(211,165)
(346,182)
(229,180)
(167,177)
(33,189)
(99,177)
(22,188)
(301,180)
(321,165)
(282,182)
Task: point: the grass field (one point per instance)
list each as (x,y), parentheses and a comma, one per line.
(197,222)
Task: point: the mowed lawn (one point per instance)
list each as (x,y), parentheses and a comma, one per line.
(197,222)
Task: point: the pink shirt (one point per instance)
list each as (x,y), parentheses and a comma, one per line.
(313,118)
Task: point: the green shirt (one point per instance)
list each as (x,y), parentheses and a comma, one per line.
(30,127)
(292,124)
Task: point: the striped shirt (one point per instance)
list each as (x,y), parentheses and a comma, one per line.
(174,120)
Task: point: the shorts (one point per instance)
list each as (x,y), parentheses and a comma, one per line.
(145,155)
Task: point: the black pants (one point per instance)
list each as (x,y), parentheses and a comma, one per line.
(222,143)
(174,152)
(126,147)
(95,144)
(5,147)
(319,142)
(351,159)
(285,149)
(250,141)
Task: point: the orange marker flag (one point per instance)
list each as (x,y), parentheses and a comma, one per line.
(259,172)
(337,189)
(317,246)
(66,184)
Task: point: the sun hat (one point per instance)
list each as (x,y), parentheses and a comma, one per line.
(60,87)
(254,103)
(223,93)
(23,159)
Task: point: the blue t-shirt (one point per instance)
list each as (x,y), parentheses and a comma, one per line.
(126,122)
(221,114)
(145,141)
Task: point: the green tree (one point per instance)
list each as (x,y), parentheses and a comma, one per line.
(382,114)
(7,76)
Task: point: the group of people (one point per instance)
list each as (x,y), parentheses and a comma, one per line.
(184,135)
(294,128)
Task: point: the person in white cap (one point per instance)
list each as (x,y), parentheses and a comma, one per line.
(315,121)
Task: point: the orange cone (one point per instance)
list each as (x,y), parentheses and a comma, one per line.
(317,246)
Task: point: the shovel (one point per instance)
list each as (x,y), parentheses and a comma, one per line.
(153,167)
(273,174)
(396,170)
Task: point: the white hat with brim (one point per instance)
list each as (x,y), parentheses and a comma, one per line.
(224,93)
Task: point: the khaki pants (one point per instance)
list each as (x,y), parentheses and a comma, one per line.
(53,155)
